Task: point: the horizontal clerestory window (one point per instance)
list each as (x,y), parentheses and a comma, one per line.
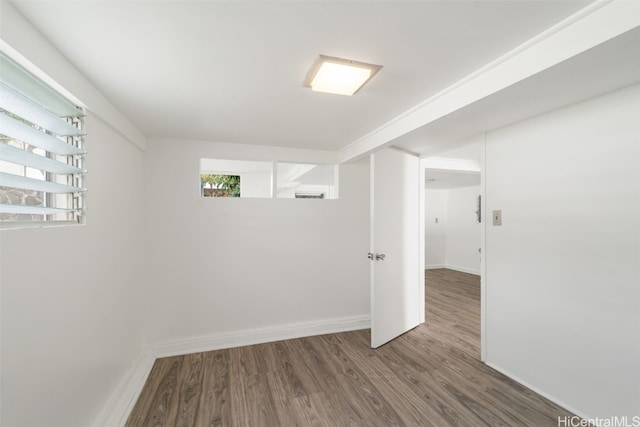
(41,150)
(267,179)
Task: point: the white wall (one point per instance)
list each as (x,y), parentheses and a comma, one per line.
(18,36)
(220,266)
(290,193)
(71,296)
(306,178)
(463,230)
(563,272)
(255,184)
(436,232)
(454,240)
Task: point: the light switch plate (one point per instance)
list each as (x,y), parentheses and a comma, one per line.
(497,217)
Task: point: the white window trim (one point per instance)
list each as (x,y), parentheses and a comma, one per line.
(34,99)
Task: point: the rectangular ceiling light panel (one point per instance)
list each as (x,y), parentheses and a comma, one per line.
(339,76)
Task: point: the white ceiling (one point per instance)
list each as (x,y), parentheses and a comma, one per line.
(439,179)
(446,180)
(470,151)
(233,70)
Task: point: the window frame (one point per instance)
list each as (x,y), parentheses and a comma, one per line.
(330,195)
(25,82)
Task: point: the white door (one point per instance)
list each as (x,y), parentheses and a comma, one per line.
(395,240)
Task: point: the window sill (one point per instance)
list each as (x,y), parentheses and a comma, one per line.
(37,224)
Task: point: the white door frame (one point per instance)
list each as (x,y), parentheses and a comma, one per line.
(483,252)
(423,227)
(483,257)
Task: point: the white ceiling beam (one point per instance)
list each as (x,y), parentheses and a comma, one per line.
(597,23)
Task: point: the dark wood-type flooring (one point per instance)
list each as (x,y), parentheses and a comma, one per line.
(430,376)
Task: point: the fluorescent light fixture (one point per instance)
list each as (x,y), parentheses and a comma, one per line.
(339,76)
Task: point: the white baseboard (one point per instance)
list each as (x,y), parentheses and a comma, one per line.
(116,412)
(463,269)
(259,336)
(452,267)
(540,392)
(117,409)
(434,266)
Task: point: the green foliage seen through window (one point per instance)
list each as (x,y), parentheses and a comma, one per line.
(220,185)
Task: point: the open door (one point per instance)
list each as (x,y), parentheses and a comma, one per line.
(395,241)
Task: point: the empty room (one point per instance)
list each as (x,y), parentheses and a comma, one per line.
(319,213)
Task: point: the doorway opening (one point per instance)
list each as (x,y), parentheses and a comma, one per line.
(452,228)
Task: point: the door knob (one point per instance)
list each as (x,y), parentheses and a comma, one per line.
(380,257)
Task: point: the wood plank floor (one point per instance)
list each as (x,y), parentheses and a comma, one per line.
(430,376)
